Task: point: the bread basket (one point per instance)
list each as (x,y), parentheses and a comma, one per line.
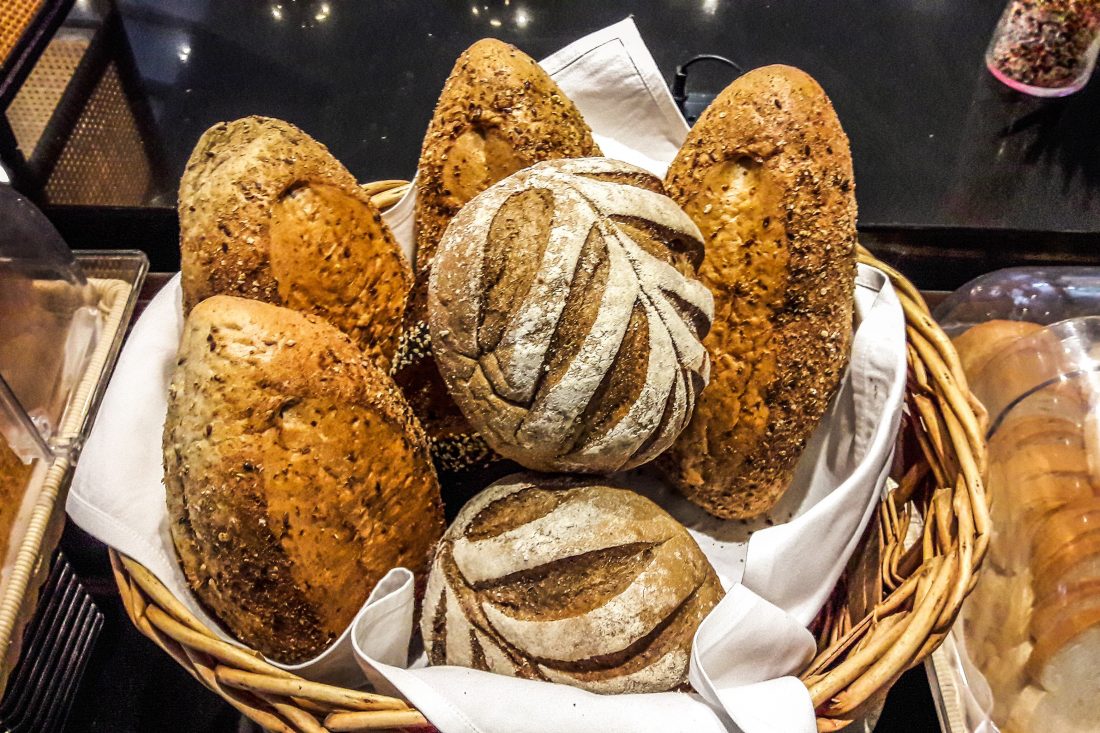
(895,603)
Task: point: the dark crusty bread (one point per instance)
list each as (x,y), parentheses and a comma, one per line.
(566,319)
(498,112)
(767,175)
(571,581)
(296,475)
(267,213)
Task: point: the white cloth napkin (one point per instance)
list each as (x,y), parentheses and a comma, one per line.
(746,649)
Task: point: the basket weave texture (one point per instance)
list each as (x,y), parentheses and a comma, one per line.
(895,603)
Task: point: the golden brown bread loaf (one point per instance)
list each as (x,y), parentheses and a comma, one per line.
(566,318)
(498,112)
(979,344)
(267,213)
(296,475)
(767,175)
(14,475)
(571,581)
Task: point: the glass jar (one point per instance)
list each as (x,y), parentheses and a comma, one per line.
(1046,48)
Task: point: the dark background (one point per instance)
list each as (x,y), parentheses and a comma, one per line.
(956,175)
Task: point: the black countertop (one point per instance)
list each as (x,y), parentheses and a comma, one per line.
(951,167)
(937,142)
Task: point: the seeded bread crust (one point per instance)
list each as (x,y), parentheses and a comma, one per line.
(498,113)
(267,213)
(296,475)
(766,174)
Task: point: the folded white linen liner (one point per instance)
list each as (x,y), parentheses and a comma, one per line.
(745,650)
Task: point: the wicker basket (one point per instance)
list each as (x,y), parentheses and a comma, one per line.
(896,601)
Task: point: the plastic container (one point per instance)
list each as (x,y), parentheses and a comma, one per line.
(1023,658)
(49,325)
(1046,48)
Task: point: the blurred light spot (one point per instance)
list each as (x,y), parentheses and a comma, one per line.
(522,19)
(710,7)
(184,52)
(277,12)
(495,22)
(476,11)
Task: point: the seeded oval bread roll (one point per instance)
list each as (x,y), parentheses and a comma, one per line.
(566,318)
(498,112)
(767,175)
(267,213)
(571,581)
(296,475)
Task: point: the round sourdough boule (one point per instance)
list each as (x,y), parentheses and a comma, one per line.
(565,317)
(568,580)
(767,175)
(266,212)
(296,475)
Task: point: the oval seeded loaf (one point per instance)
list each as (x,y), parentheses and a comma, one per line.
(498,113)
(767,175)
(566,317)
(296,475)
(571,581)
(267,213)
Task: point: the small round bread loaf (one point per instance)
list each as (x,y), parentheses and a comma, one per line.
(267,213)
(296,475)
(565,317)
(571,581)
(767,175)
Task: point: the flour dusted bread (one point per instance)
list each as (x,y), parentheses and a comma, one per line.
(267,213)
(566,319)
(499,112)
(767,175)
(296,475)
(568,580)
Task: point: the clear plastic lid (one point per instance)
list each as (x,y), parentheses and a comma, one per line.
(1032,625)
(49,324)
(1042,295)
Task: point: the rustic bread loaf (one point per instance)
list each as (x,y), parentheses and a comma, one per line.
(767,176)
(565,317)
(267,213)
(296,475)
(498,112)
(571,581)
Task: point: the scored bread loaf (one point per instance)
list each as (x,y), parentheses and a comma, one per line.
(767,175)
(566,317)
(498,112)
(267,213)
(571,581)
(296,475)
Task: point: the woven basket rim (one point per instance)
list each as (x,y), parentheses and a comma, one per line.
(922,585)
